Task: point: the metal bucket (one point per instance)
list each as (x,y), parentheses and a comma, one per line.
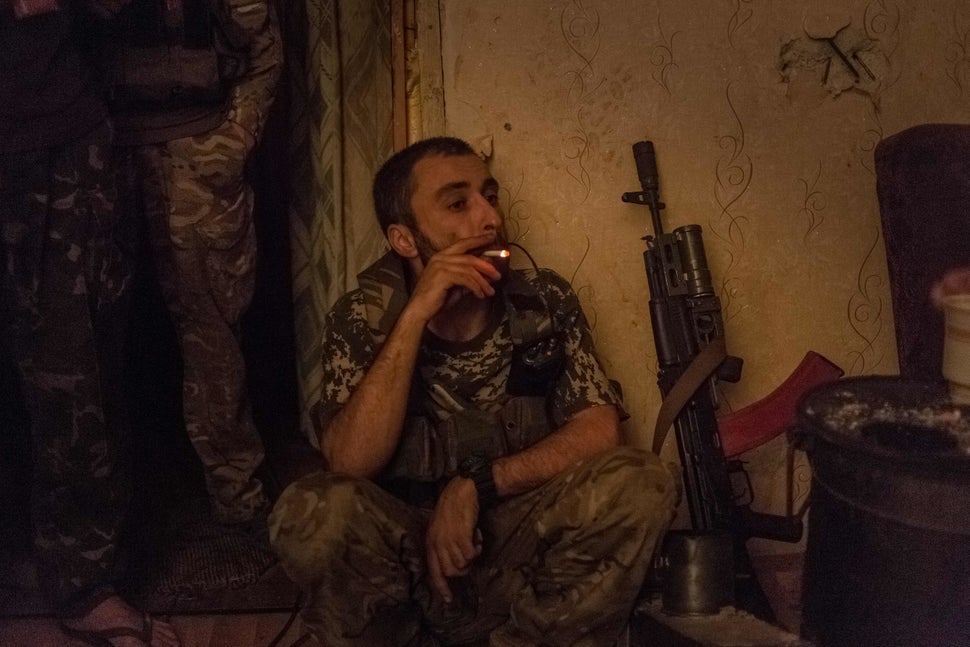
(697,568)
(888,557)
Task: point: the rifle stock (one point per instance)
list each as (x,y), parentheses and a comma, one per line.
(773,415)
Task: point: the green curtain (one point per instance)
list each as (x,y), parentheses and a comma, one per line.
(340,74)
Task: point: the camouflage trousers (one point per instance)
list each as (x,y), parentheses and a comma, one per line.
(198,211)
(63,306)
(561,565)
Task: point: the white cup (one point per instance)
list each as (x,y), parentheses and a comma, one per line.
(956,346)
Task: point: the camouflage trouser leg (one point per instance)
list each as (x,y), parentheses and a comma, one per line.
(358,553)
(576,551)
(199,212)
(562,564)
(64,300)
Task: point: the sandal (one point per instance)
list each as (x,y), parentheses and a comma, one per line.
(102,638)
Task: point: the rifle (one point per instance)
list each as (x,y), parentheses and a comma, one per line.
(688,332)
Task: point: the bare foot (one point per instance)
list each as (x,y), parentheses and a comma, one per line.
(115,613)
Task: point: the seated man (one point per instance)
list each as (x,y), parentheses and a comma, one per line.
(475,487)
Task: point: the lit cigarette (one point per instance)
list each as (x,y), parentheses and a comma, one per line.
(496,253)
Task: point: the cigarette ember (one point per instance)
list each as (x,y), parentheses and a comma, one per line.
(496,253)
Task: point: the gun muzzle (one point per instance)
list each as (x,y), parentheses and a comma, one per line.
(646,161)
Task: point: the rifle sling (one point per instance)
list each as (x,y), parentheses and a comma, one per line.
(700,368)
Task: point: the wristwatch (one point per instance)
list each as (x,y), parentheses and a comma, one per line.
(478,468)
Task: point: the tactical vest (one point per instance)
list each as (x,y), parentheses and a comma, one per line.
(430,451)
(171,65)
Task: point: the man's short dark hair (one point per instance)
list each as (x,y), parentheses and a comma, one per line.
(394,182)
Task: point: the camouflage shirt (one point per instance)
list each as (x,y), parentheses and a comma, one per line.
(460,374)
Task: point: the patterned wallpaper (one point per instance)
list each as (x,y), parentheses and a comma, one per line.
(764,115)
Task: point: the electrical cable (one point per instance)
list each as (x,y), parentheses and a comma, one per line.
(289,623)
(528,255)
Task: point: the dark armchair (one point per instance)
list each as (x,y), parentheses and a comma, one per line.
(923,185)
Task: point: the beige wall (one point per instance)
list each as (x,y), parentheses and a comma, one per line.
(755,142)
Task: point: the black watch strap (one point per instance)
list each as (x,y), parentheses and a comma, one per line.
(478,468)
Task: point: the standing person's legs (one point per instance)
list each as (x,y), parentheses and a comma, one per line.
(65,281)
(199,211)
(58,249)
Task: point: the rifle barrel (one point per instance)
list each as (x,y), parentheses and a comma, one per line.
(646,161)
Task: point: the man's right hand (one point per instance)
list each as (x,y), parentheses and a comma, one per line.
(451,274)
(451,539)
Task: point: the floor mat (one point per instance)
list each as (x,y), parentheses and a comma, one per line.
(193,566)
(204,556)
(209,567)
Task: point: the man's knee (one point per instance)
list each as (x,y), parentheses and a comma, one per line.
(621,495)
(627,474)
(311,520)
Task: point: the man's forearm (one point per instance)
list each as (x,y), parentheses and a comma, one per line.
(589,432)
(362,437)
